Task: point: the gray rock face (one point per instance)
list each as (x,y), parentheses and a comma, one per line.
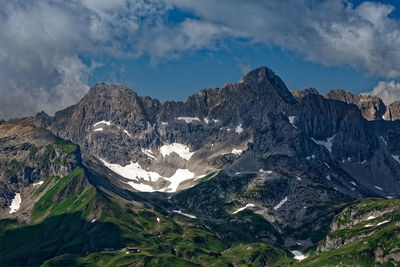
(28,157)
(372,107)
(299,94)
(393,111)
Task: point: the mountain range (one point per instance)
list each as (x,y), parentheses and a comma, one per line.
(247,174)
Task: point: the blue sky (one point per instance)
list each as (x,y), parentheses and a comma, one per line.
(51,51)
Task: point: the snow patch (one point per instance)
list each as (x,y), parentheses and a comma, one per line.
(185,214)
(158,220)
(386,221)
(164,123)
(206,120)
(389,197)
(327,144)
(298,178)
(364,161)
(327,165)
(141,187)
(180,149)
(38,183)
(179,176)
(328,177)
(310,157)
(188,119)
(383,117)
(15,203)
(368,225)
(125,131)
(298,255)
(215,121)
(371,217)
(133,171)
(291,120)
(353,183)
(280,204)
(379,188)
(148,153)
(92,221)
(102,122)
(249,205)
(396,158)
(237,151)
(98,130)
(239,129)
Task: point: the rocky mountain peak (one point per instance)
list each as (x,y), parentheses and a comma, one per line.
(372,107)
(265,79)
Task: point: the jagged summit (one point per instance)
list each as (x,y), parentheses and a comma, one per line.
(371,107)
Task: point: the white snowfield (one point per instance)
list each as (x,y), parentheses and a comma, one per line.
(327,144)
(98,130)
(180,149)
(249,205)
(185,214)
(280,204)
(298,255)
(380,223)
(188,119)
(134,172)
(239,129)
(15,203)
(237,151)
(102,122)
(38,183)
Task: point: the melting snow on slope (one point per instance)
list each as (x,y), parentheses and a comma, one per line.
(98,130)
(148,153)
(327,144)
(188,119)
(280,204)
(102,122)
(180,149)
(38,183)
(133,171)
(291,120)
(396,158)
(237,151)
(298,255)
(239,129)
(249,205)
(179,176)
(141,187)
(185,214)
(15,203)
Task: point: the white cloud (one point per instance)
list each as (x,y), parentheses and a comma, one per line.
(41,42)
(387,91)
(330,32)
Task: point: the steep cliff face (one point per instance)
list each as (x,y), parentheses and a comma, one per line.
(371,107)
(393,111)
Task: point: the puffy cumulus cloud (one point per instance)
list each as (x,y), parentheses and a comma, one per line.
(330,32)
(42,42)
(387,91)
